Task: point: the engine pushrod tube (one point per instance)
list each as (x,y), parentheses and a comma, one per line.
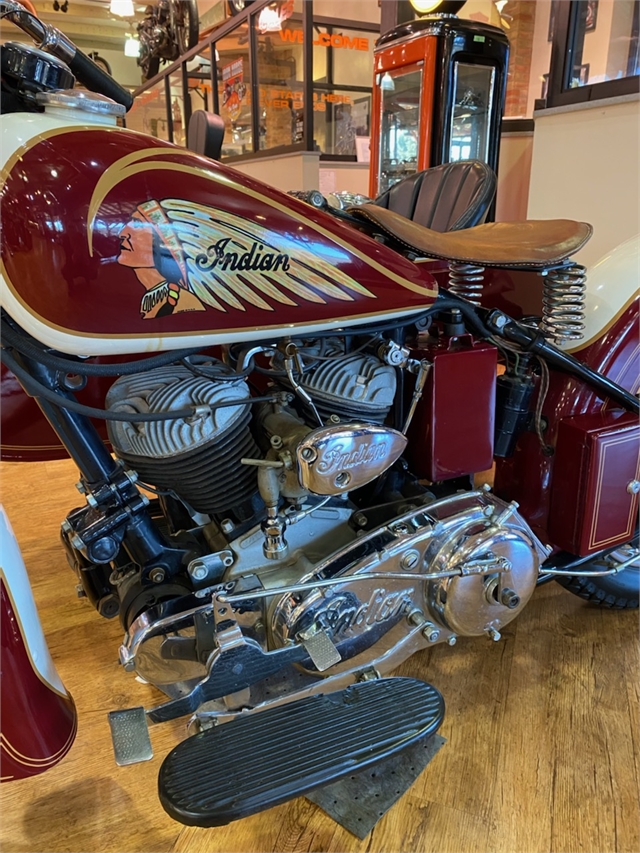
(489,569)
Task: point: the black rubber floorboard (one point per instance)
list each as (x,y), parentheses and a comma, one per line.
(255,762)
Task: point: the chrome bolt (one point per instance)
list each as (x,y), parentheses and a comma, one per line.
(410,560)
(416,618)
(360,519)
(81,487)
(91,500)
(80,591)
(132,476)
(66,526)
(370,674)
(129,665)
(226,525)
(452,640)
(507,513)
(77,541)
(276,442)
(308,454)
(509,598)
(633,487)
(493,634)
(198,572)
(488,511)
(157,575)
(431,633)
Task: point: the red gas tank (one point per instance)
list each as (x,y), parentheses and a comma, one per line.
(115,242)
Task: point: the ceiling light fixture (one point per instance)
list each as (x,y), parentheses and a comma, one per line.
(387,84)
(122,8)
(269,20)
(423,7)
(131,47)
(445,7)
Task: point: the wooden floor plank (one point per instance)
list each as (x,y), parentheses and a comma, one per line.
(542,731)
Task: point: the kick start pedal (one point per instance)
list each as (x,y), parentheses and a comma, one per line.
(255,762)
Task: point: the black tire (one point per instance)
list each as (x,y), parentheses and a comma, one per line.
(617,592)
(150,66)
(187,26)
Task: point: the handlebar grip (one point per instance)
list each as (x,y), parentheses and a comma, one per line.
(97,80)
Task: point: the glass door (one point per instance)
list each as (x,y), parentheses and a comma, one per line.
(473,88)
(400,124)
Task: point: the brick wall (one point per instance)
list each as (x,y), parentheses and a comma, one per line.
(520,35)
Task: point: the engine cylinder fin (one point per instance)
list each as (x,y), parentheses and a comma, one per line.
(346,413)
(198,459)
(210,479)
(354,387)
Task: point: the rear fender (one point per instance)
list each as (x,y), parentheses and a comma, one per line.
(611,347)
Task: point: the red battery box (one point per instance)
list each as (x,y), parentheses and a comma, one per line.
(452,430)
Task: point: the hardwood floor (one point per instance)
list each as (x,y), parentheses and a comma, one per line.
(542,731)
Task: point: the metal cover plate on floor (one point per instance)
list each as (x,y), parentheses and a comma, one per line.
(358,802)
(130,736)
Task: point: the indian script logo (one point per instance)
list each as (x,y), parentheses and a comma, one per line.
(336,458)
(344,612)
(189,257)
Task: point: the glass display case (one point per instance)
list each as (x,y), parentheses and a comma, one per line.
(473,91)
(399,125)
(439,96)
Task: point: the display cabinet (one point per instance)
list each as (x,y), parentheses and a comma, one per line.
(439,91)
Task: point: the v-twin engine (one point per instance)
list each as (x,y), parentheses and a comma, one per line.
(295,565)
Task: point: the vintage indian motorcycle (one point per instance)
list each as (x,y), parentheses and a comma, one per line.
(306,435)
(169,29)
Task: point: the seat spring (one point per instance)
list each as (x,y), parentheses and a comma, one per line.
(563,298)
(466,280)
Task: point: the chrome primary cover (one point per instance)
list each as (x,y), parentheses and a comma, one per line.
(469,563)
(334,460)
(465,564)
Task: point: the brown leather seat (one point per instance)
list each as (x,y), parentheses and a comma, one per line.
(535,244)
(445,198)
(205,134)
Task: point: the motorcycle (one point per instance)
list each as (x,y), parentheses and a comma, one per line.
(169,29)
(283,506)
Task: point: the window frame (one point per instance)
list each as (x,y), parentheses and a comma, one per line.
(559,93)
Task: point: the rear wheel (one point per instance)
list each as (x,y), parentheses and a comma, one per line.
(620,591)
(149,65)
(187,27)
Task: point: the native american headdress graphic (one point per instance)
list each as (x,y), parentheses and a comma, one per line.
(227,261)
(203,240)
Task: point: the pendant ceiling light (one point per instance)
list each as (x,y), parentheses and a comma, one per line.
(123,8)
(428,7)
(131,46)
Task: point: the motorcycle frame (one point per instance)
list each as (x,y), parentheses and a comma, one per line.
(145,544)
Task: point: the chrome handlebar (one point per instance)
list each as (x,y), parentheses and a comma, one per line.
(47,37)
